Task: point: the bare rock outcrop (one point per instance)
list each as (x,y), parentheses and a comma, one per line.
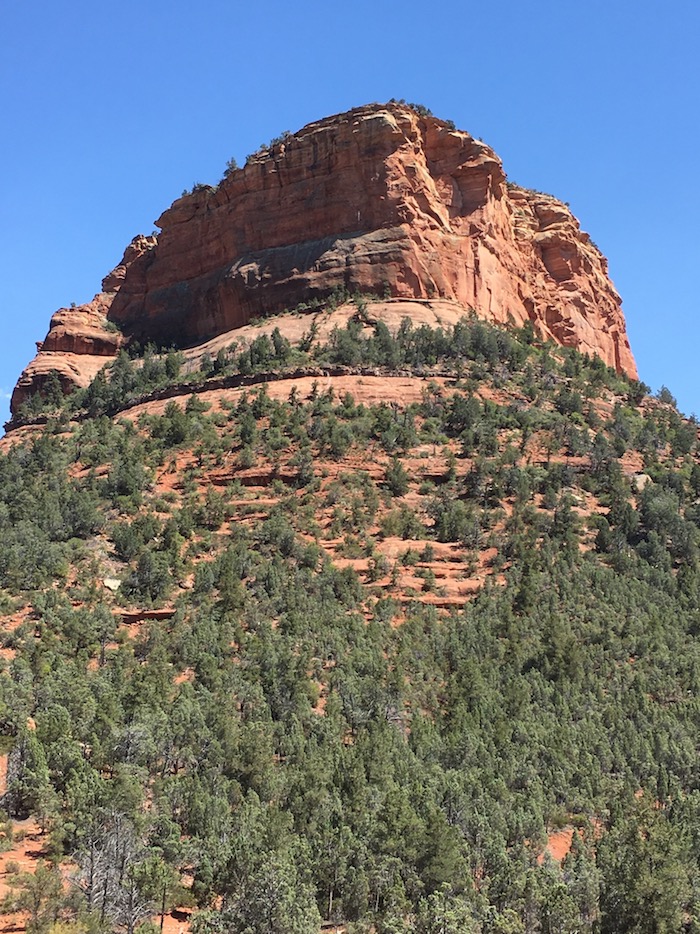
(81,338)
(378,200)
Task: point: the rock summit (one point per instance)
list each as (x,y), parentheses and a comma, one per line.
(381,200)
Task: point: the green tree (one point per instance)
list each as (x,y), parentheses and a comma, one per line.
(41,896)
(396,478)
(269,894)
(443,912)
(645,874)
(28,782)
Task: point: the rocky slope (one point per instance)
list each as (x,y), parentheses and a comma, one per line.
(378,200)
(441,588)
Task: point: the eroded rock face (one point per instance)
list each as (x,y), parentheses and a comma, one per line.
(378,200)
(80,338)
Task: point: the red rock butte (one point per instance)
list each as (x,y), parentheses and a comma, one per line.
(380,200)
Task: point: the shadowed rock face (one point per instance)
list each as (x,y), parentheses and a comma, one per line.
(377,200)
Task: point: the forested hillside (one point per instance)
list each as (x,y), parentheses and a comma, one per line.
(350,632)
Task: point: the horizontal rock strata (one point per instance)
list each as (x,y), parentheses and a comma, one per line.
(378,200)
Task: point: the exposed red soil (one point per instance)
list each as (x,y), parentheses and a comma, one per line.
(558,844)
(186,676)
(14,620)
(26,853)
(320,705)
(129,630)
(18,435)
(177,921)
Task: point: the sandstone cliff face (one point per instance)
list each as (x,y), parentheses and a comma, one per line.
(378,200)
(81,338)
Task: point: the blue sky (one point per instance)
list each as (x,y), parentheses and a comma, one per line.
(111,110)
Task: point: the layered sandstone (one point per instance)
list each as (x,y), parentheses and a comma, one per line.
(74,349)
(81,338)
(378,200)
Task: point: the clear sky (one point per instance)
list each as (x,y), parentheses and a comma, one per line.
(111,109)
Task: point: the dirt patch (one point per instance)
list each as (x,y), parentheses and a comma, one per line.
(14,620)
(558,844)
(186,676)
(176,921)
(26,853)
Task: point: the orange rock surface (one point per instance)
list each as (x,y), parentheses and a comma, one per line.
(377,200)
(80,338)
